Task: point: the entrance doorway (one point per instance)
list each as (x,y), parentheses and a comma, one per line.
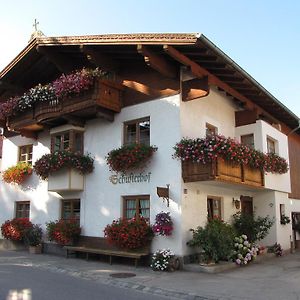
(247,205)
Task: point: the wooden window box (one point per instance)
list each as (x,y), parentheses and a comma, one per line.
(66,180)
(221,170)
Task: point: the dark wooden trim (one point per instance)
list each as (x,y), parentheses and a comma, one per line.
(157,62)
(136,198)
(104,61)
(195,88)
(200,72)
(136,122)
(62,62)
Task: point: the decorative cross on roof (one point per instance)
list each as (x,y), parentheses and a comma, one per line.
(35,24)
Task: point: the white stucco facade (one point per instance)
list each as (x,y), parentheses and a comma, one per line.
(170,119)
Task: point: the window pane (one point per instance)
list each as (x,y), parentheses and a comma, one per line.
(78,142)
(25,154)
(130,134)
(144,208)
(248,140)
(22,209)
(76,209)
(71,209)
(270,145)
(66,141)
(130,209)
(57,142)
(211,130)
(144,128)
(213,208)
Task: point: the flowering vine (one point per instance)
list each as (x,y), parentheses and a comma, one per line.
(205,150)
(53,162)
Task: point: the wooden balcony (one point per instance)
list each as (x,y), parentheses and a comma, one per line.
(224,171)
(104,99)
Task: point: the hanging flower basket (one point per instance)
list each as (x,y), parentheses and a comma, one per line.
(129,157)
(18,173)
(163,224)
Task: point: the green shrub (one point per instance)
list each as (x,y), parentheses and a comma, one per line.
(216,239)
(255,228)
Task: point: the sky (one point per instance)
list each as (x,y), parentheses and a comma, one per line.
(263,37)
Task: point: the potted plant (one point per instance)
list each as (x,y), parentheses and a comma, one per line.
(129,157)
(50,163)
(163,224)
(216,240)
(33,238)
(129,234)
(15,229)
(164,260)
(18,173)
(63,232)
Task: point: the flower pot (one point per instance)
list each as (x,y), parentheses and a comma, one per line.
(35,249)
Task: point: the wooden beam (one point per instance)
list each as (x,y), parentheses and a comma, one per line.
(11,87)
(104,61)
(74,120)
(62,63)
(195,88)
(199,71)
(157,62)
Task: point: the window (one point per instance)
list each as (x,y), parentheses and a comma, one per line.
(211,130)
(136,206)
(137,131)
(22,209)
(25,154)
(69,140)
(271,145)
(70,209)
(248,140)
(213,208)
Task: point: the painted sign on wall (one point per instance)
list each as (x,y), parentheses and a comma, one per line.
(130,178)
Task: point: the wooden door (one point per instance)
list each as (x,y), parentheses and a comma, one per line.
(247,205)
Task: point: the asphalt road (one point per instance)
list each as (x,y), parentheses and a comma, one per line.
(19,282)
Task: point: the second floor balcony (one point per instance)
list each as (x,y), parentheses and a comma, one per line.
(102,99)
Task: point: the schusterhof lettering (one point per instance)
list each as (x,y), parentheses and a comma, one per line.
(130,178)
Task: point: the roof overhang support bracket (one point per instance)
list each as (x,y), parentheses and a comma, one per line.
(60,61)
(105,62)
(194,88)
(200,72)
(157,62)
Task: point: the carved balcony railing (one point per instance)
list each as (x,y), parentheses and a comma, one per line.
(221,170)
(105,96)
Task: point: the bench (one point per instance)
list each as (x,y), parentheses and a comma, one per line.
(98,245)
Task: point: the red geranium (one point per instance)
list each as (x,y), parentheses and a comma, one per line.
(15,229)
(63,232)
(129,157)
(129,234)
